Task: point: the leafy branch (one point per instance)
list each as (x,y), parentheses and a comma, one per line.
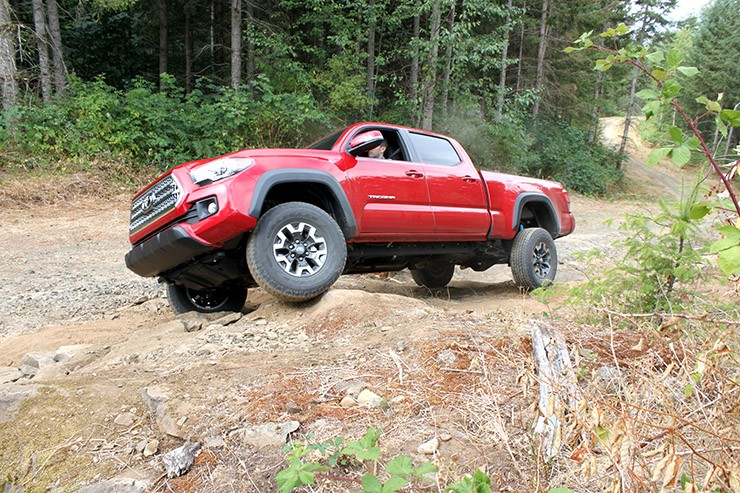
(660,67)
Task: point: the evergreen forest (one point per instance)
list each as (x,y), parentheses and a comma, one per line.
(147,85)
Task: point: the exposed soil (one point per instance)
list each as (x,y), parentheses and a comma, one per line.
(453,363)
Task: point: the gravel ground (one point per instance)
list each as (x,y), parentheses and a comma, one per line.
(65,265)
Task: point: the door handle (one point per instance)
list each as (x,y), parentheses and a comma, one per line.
(469,179)
(414,174)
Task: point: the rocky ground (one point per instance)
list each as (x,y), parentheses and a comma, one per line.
(101,384)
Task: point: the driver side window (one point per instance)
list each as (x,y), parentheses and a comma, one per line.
(394,149)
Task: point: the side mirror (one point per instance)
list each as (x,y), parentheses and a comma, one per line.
(365,142)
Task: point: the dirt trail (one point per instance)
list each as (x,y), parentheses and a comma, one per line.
(89,416)
(668,180)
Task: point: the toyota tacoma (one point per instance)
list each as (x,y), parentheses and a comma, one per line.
(368,198)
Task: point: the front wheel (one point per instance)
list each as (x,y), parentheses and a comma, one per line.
(221,299)
(534,259)
(433,275)
(296,252)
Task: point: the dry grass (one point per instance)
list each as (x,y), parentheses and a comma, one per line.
(637,428)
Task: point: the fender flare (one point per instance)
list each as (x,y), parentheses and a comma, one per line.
(539,198)
(291,175)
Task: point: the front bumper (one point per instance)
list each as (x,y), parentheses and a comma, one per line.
(164,251)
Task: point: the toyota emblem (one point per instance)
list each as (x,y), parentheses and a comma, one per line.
(148,203)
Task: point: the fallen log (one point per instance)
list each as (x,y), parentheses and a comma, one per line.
(558,389)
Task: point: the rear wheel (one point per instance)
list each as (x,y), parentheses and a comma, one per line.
(433,275)
(221,299)
(534,259)
(296,252)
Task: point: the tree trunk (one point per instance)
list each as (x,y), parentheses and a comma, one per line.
(236,43)
(430,78)
(212,36)
(162,41)
(633,86)
(504,53)
(414,74)
(370,79)
(59,72)
(8,71)
(593,130)
(539,78)
(250,43)
(521,51)
(188,53)
(628,117)
(448,61)
(39,23)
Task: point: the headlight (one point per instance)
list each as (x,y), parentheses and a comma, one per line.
(219,169)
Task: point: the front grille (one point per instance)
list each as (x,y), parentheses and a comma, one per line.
(156,201)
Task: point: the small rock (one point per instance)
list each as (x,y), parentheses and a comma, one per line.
(214,442)
(9,374)
(151,448)
(116,486)
(293,408)
(368,398)
(228,319)
(402,346)
(192,325)
(446,357)
(260,321)
(269,434)
(348,401)
(445,437)
(69,352)
(429,447)
(140,446)
(125,419)
(34,361)
(350,387)
(156,398)
(179,461)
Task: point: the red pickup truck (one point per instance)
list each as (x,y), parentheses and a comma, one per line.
(369,198)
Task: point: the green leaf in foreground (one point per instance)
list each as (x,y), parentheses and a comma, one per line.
(657,155)
(728,250)
(681,155)
(688,71)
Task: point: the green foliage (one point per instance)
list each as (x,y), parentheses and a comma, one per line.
(664,68)
(477,483)
(562,152)
(400,471)
(164,128)
(663,260)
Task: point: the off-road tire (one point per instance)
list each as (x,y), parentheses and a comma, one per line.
(433,275)
(317,241)
(222,299)
(534,259)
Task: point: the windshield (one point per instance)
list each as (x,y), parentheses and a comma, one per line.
(327,142)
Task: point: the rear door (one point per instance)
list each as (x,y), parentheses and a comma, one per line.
(456,191)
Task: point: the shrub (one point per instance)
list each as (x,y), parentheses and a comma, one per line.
(562,153)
